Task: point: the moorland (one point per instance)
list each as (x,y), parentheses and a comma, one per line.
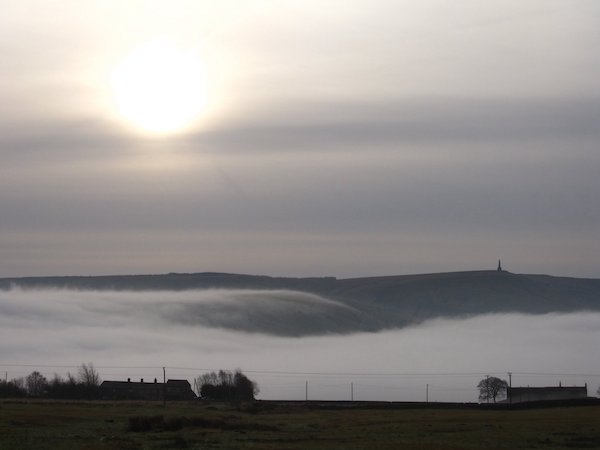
(63,425)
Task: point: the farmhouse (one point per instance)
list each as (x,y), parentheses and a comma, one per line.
(536,394)
(131,390)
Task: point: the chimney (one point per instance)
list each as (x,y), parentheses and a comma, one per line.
(155,381)
(141,380)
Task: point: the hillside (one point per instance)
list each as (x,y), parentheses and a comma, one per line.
(405,299)
(269,305)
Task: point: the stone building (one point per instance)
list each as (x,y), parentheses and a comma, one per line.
(536,394)
(131,390)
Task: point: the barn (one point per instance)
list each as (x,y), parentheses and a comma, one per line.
(536,394)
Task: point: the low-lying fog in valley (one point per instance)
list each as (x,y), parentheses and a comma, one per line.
(281,340)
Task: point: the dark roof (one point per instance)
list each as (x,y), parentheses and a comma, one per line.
(183,383)
(153,390)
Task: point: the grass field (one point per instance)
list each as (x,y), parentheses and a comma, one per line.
(270,425)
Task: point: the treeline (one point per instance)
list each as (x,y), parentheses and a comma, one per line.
(226,386)
(84,385)
(223,385)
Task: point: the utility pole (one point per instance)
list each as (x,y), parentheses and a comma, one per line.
(509,387)
(164,387)
(351,391)
(427,393)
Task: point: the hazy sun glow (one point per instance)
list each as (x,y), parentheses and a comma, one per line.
(159,88)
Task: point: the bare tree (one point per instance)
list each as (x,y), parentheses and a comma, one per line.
(226,385)
(88,375)
(19,383)
(209,378)
(36,384)
(492,388)
(226,377)
(13,388)
(246,388)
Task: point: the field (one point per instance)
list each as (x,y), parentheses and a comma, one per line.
(26,424)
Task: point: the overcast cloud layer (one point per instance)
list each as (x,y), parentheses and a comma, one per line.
(134,335)
(345,138)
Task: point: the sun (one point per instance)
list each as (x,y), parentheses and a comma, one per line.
(159,88)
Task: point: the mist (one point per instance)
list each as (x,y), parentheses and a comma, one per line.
(135,334)
(277,312)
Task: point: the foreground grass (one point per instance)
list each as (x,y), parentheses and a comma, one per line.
(139,425)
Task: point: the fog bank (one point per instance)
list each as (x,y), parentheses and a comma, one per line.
(134,334)
(278,312)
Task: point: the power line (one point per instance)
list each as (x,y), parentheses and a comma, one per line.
(75,366)
(565,374)
(358,374)
(305,373)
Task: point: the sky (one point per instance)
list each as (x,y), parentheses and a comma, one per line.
(55,331)
(342,138)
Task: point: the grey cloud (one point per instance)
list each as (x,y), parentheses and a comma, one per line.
(392,122)
(60,141)
(427,164)
(398,137)
(326,126)
(361,193)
